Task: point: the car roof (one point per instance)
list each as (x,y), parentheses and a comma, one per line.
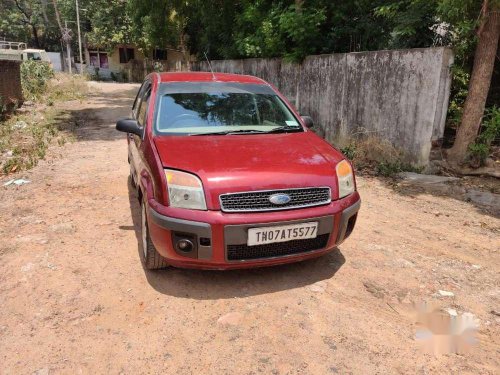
(209,77)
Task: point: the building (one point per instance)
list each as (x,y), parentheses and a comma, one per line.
(127,62)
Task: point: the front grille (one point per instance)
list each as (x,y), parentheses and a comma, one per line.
(279,249)
(259,200)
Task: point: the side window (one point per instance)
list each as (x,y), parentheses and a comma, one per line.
(143,109)
(34,56)
(137,103)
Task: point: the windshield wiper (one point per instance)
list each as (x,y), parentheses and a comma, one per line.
(280,129)
(285,129)
(229,132)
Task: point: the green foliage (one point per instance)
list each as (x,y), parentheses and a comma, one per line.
(26,136)
(478,153)
(461,17)
(28,21)
(459,91)
(210,27)
(34,78)
(158,67)
(490,132)
(349,151)
(412,22)
(157,23)
(110,22)
(292,32)
(388,169)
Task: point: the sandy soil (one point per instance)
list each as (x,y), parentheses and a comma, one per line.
(74,297)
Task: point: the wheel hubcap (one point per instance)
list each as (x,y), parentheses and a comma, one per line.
(144,231)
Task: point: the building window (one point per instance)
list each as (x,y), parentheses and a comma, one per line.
(160,54)
(94,59)
(99,60)
(126,54)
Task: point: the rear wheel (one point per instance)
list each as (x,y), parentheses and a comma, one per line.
(150,257)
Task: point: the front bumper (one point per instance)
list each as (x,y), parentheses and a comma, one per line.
(213,231)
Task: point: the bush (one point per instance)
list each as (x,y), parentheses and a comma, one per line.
(25,136)
(459,91)
(34,78)
(119,77)
(388,169)
(490,132)
(349,151)
(372,155)
(95,76)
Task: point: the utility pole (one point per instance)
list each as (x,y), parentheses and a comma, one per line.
(68,50)
(79,36)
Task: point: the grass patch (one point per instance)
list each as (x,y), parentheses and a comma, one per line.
(64,87)
(374,156)
(27,133)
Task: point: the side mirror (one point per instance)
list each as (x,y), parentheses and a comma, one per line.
(308,121)
(129,125)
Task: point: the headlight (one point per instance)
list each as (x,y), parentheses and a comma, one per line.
(185,190)
(345,178)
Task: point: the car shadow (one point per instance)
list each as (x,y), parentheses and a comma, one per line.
(210,285)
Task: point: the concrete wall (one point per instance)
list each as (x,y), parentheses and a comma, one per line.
(399,95)
(55,59)
(11,92)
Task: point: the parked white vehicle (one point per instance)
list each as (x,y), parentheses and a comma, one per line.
(19,51)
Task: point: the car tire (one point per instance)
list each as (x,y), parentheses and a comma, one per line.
(151,259)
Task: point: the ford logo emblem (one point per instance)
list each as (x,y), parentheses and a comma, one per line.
(279,199)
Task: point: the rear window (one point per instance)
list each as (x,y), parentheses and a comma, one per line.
(197,108)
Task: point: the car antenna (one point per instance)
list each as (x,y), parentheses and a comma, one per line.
(210,66)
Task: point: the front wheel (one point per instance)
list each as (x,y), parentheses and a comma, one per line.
(150,257)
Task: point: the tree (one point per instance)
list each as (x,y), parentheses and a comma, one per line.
(66,38)
(412,22)
(28,21)
(210,27)
(158,23)
(108,24)
(295,29)
(484,61)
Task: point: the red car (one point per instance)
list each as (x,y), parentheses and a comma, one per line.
(229,175)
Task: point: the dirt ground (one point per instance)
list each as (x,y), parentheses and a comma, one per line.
(74,297)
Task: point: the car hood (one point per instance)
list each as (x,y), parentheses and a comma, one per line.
(238,163)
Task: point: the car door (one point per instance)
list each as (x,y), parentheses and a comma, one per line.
(139,113)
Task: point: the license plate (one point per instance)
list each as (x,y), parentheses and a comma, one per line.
(264,235)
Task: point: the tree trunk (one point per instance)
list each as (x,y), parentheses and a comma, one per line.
(35,36)
(185,53)
(484,61)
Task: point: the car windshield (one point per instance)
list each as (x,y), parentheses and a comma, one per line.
(203,108)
